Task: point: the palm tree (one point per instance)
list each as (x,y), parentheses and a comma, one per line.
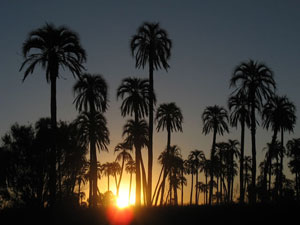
(256,81)
(53,48)
(151,45)
(279,114)
(135,95)
(123,156)
(196,157)
(108,171)
(130,168)
(93,132)
(240,114)
(169,117)
(91,96)
(214,119)
(136,133)
(247,175)
(293,147)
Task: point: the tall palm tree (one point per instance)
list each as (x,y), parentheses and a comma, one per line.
(53,48)
(91,97)
(136,134)
(135,95)
(215,119)
(108,171)
(279,114)
(151,45)
(123,156)
(130,168)
(196,157)
(256,80)
(238,105)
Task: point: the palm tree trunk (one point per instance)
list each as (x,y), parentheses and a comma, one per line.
(130,181)
(192,186)
(182,187)
(138,176)
(196,194)
(157,184)
(120,178)
(166,172)
(253,146)
(150,148)
(206,197)
(52,178)
(144,180)
(281,164)
(212,158)
(242,189)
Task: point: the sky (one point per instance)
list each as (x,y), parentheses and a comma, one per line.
(209,39)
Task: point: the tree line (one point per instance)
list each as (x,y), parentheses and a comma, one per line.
(46,164)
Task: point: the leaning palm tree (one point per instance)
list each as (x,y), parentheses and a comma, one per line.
(238,104)
(130,168)
(123,156)
(136,134)
(214,119)
(257,82)
(151,45)
(93,131)
(91,96)
(53,48)
(279,114)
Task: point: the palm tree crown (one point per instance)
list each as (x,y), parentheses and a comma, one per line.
(215,118)
(91,92)
(135,95)
(169,116)
(151,43)
(53,47)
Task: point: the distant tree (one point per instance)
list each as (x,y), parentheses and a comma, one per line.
(130,168)
(196,158)
(123,156)
(293,147)
(151,45)
(256,81)
(214,119)
(91,98)
(53,48)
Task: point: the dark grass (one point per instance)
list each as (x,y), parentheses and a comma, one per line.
(280,213)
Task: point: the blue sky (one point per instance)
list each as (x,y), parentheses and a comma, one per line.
(210,38)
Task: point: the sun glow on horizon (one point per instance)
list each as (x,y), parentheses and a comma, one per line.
(123,199)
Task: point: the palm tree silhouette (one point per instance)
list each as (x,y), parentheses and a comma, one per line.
(247,175)
(135,95)
(293,147)
(238,105)
(151,45)
(279,114)
(91,97)
(108,171)
(130,168)
(169,117)
(136,133)
(256,80)
(123,156)
(53,48)
(196,157)
(214,119)
(93,129)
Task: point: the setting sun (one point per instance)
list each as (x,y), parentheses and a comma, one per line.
(123,199)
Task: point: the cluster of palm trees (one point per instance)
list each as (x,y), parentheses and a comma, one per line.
(56,48)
